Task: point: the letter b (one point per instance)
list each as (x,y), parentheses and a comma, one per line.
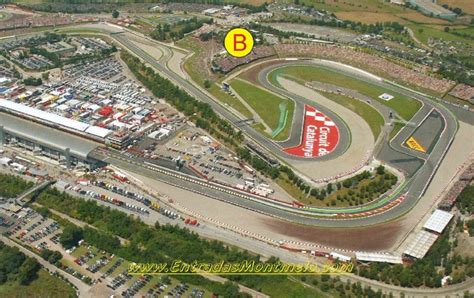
(240,39)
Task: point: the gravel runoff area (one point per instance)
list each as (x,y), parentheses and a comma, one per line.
(362,140)
(381,238)
(175,63)
(155,52)
(173,57)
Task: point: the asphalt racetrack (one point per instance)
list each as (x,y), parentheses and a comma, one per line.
(392,152)
(418,167)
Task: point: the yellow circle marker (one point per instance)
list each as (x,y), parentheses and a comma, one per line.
(238,42)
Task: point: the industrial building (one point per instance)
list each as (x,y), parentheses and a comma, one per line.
(431,8)
(68,150)
(89,131)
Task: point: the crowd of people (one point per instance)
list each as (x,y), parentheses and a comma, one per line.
(25,21)
(464,92)
(357,58)
(464,180)
(225,63)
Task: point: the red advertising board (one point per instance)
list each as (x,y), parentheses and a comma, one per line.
(320,135)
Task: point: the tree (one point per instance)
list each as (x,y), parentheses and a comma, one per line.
(329,188)
(207,84)
(51,256)
(28,271)
(380,170)
(166,280)
(45,76)
(314,192)
(457,10)
(70,236)
(115,14)
(446,29)
(230,289)
(31,81)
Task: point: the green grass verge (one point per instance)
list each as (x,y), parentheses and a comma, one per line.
(397,126)
(228,100)
(266,104)
(189,65)
(401,104)
(367,112)
(45,285)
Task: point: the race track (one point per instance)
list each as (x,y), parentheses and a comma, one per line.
(419,172)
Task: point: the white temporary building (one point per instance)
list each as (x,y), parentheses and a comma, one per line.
(438,221)
(340,257)
(421,244)
(53,119)
(379,257)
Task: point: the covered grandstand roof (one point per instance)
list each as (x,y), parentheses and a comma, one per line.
(378,257)
(98,131)
(54,119)
(421,244)
(438,221)
(46,136)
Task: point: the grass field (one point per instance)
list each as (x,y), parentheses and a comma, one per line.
(265,104)
(196,66)
(424,32)
(368,113)
(396,128)
(44,286)
(466,5)
(368,17)
(354,5)
(415,16)
(228,100)
(403,105)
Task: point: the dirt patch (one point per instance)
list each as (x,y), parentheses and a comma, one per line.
(417,17)
(466,5)
(375,238)
(465,245)
(251,75)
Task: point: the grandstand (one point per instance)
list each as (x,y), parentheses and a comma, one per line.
(464,180)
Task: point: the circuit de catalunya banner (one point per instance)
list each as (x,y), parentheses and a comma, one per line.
(320,135)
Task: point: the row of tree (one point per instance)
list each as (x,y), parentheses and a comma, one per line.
(179,30)
(465,200)
(161,243)
(16,267)
(146,244)
(11,186)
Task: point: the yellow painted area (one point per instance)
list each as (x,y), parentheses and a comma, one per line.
(238,42)
(412,143)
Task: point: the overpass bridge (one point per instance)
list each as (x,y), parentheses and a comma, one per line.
(20,200)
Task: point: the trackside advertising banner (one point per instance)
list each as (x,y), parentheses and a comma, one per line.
(319,137)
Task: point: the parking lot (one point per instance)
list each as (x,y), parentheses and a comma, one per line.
(205,156)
